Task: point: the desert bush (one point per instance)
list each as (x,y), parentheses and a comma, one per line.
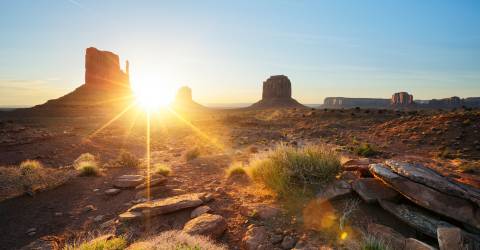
(288,170)
(101,243)
(371,242)
(161,169)
(127,159)
(365,150)
(236,169)
(29,166)
(83,158)
(177,240)
(192,154)
(88,168)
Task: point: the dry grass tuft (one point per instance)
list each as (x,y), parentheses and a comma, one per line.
(127,159)
(100,243)
(290,171)
(192,154)
(373,243)
(176,240)
(236,169)
(161,169)
(87,165)
(30,166)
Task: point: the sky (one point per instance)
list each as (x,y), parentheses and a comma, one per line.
(224,50)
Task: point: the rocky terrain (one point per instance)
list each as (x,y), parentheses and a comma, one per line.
(276,175)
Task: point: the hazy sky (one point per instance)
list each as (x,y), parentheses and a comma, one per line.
(225,49)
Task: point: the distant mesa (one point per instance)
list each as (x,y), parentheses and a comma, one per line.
(346,102)
(402,99)
(183,100)
(277,92)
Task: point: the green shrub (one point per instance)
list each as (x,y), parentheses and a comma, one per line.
(161,169)
(288,171)
(127,159)
(373,243)
(102,243)
(29,166)
(236,169)
(192,154)
(365,150)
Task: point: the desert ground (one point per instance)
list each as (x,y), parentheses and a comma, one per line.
(65,207)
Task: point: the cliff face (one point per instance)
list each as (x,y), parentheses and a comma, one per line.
(277,92)
(102,69)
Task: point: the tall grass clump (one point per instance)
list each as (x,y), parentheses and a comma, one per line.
(101,243)
(29,166)
(291,171)
(87,165)
(373,243)
(192,154)
(176,240)
(365,150)
(161,169)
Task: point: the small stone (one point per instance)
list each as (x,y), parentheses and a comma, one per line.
(211,225)
(199,211)
(128,181)
(112,191)
(98,218)
(89,208)
(276,238)
(58,214)
(129,216)
(288,242)
(31,231)
(450,238)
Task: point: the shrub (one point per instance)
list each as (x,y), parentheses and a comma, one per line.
(365,150)
(88,168)
(127,159)
(373,243)
(161,169)
(177,240)
(288,170)
(192,154)
(101,243)
(29,166)
(236,169)
(84,157)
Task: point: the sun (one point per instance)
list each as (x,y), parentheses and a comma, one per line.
(151,92)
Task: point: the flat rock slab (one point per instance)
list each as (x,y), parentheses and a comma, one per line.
(169,205)
(372,189)
(414,244)
(129,216)
(211,225)
(448,205)
(415,217)
(128,181)
(153,183)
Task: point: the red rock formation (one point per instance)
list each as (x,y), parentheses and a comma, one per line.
(277,92)
(184,101)
(402,98)
(102,69)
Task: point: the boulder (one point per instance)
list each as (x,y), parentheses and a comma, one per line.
(451,206)
(169,205)
(414,244)
(265,212)
(211,225)
(415,217)
(255,238)
(288,242)
(199,211)
(394,239)
(372,189)
(128,181)
(335,190)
